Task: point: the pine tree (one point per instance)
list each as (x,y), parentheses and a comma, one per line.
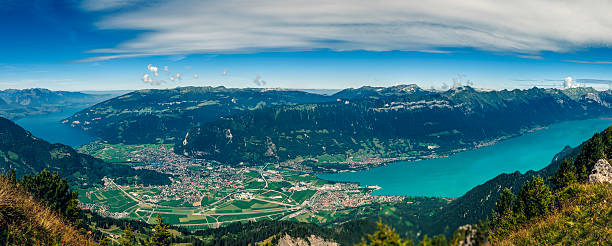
(506,216)
(506,202)
(566,175)
(592,151)
(426,241)
(535,198)
(161,236)
(439,240)
(128,238)
(607,140)
(54,191)
(483,232)
(385,236)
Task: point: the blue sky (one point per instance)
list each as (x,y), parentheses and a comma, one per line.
(109,44)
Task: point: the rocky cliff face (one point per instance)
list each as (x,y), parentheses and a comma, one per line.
(601,173)
(310,241)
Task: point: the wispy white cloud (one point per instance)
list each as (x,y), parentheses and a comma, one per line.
(101,5)
(595,81)
(533,57)
(258,81)
(4,66)
(569,82)
(34,83)
(109,57)
(590,62)
(147,79)
(436,51)
(526,27)
(444,87)
(153,69)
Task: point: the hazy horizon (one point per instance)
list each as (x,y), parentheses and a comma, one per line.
(600,87)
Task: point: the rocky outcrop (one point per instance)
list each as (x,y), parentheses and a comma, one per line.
(601,173)
(311,241)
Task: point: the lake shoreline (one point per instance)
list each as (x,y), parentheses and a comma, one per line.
(363,166)
(527,156)
(49,128)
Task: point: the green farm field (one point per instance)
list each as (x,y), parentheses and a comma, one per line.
(116,200)
(118,152)
(301,196)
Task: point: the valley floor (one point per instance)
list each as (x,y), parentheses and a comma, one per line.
(208,195)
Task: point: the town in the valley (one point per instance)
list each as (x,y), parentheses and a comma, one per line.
(204,194)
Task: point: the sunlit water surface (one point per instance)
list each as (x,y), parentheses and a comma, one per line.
(454,175)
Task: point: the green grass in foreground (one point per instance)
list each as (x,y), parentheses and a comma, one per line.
(584,219)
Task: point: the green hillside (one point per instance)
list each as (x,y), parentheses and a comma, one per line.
(369,130)
(22,151)
(584,218)
(24,221)
(559,208)
(152,116)
(552,205)
(574,209)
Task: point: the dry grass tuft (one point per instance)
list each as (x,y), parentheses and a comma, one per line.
(585,218)
(24,221)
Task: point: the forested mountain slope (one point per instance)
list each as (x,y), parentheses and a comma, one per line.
(477,204)
(385,125)
(151,116)
(29,155)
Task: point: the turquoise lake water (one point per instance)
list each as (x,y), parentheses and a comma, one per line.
(447,177)
(49,128)
(454,175)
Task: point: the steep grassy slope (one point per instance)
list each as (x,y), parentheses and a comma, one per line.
(576,210)
(585,218)
(29,155)
(24,221)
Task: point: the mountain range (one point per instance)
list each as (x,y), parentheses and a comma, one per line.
(355,111)
(331,132)
(16,104)
(152,116)
(369,124)
(476,205)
